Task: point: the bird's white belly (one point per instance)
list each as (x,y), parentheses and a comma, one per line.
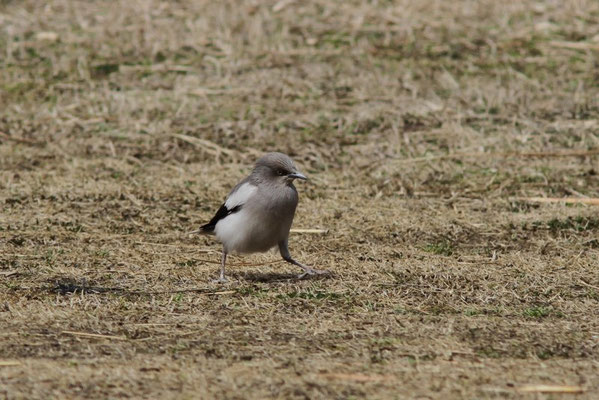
(241,234)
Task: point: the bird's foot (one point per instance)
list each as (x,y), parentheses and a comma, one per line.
(312,272)
(221,279)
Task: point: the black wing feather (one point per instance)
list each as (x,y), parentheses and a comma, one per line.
(222,212)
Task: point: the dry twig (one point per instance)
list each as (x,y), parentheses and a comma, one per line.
(9,363)
(20,140)
(357,377)
(574,45)
(204,144)
(94,335)
(567,200)
(550,389)
(316,231)
(540,154)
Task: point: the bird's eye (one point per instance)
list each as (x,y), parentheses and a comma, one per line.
(281,172)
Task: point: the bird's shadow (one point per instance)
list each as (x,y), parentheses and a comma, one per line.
(259,277)
(264,277)
(69,285)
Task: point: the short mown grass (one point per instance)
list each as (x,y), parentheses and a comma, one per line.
(423,127)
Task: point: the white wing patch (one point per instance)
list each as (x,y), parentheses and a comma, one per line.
(240,196)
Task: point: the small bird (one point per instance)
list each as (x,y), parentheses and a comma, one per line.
(257,214)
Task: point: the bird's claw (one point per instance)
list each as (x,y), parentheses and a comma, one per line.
(221,280)
(312,272)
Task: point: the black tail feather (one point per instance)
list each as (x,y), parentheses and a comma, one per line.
(207,229)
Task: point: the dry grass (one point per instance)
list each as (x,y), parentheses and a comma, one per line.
(423,125)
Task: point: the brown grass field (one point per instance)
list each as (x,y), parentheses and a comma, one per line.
(425,127)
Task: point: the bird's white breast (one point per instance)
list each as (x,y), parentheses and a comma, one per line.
(235,231)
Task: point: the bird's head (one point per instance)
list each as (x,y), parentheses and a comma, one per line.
(278,167)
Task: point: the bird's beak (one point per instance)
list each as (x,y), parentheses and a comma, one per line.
(297,175)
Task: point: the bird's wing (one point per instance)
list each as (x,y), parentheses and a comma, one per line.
(240,194)
(237,198)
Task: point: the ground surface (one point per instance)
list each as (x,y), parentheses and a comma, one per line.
(422,125)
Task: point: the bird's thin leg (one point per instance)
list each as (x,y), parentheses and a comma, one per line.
(221,278)
(307,270)
(284,250)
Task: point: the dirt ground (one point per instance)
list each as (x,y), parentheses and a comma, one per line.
(425,128)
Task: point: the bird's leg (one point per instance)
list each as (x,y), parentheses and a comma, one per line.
(221,278)
(307,270)
(284,250)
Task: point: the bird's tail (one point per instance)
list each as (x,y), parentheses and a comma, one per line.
(203,230)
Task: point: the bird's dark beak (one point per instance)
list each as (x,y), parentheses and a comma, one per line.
(297,175)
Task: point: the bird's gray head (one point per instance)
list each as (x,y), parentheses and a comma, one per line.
(277,167)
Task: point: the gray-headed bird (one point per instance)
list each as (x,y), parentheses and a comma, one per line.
(257,214)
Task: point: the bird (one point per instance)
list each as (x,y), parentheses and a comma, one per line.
(258,212)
